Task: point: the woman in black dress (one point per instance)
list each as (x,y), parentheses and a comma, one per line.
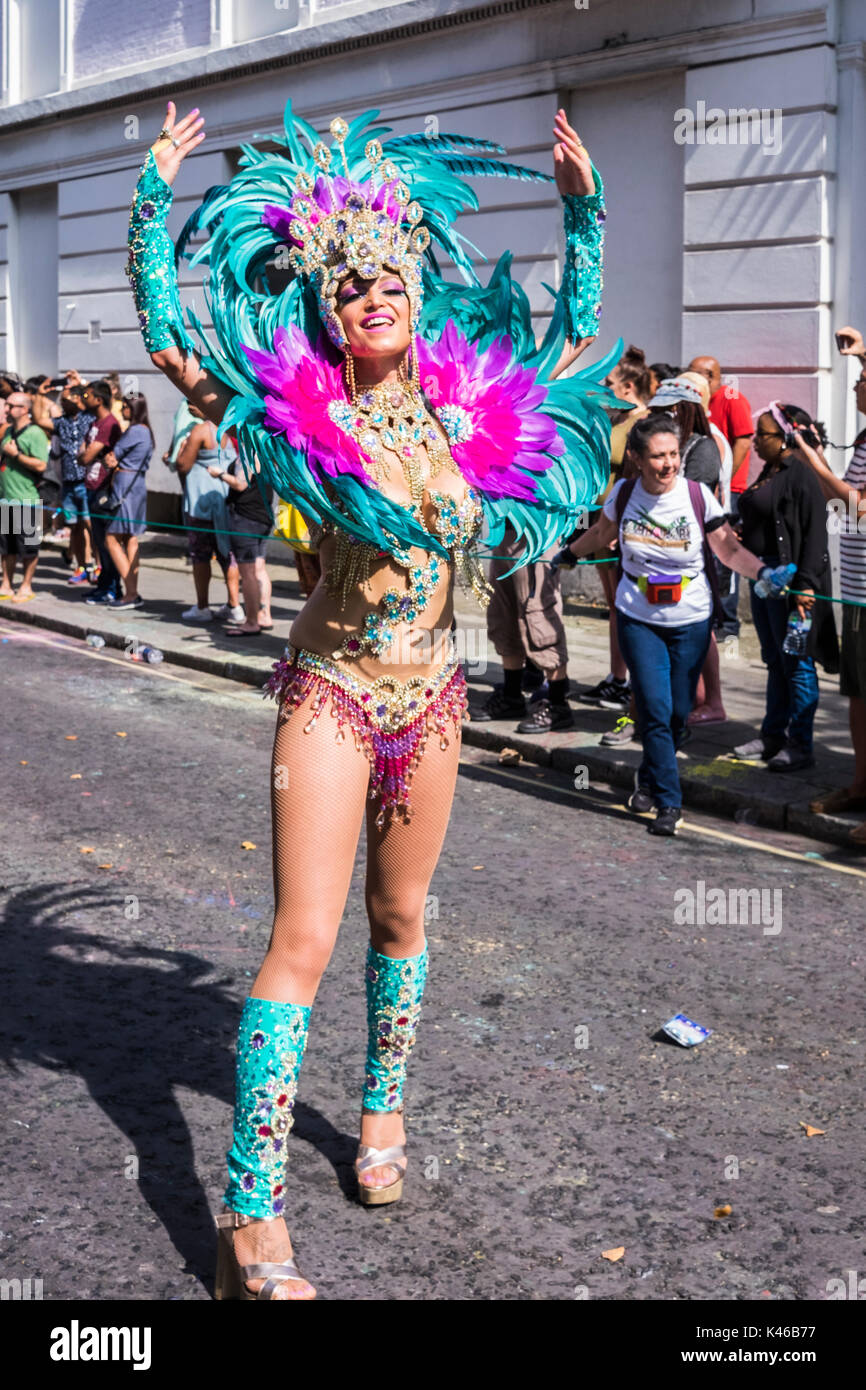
(783,518)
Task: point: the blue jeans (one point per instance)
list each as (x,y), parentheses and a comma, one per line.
(664,664)
(109,581)
(792,681)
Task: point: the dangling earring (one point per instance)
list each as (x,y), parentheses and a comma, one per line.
(415,377)
(350,375)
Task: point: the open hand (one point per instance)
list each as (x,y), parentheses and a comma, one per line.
(571,164)
(187,132)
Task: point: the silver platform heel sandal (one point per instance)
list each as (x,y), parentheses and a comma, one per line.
(392,1157)
(231,1276)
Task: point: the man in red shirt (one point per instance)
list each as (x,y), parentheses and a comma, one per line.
(100,441)
(731,413)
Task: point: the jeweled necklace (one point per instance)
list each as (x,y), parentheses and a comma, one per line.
(393,418)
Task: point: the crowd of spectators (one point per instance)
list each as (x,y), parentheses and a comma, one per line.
(683,586)
(74,461)
(75,455)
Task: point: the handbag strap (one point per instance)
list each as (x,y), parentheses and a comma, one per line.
(620,503)
(138,470)
(697,500)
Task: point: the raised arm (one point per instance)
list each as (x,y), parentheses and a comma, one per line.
(582,193)
(152,272)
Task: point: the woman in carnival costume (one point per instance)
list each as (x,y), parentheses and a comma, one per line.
(399,413)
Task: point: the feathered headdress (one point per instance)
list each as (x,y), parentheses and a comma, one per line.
(391,205)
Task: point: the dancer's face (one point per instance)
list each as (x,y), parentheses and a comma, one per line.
(375,315)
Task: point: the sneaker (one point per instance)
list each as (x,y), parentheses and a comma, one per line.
(79,576)
(108,599)
(231,615)
(546,718)
(790,759)
(93,573)
(197,615)
(609,694)
(623,731)
(137,602)
(667,822)
(761,748)
(641,801)
(498,706)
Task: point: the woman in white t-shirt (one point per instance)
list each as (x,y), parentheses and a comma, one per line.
(665,599)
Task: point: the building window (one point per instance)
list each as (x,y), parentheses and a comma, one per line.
(256,20)
(107,35)
(38,48)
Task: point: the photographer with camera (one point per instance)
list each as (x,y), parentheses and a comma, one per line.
(784,520)
(71,431)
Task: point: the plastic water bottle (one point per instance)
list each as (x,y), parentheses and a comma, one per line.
(785,573)
(152,655)
(93,639)
(797,635)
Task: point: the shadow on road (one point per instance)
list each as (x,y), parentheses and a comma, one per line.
(135,1022)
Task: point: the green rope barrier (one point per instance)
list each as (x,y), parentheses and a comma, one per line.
(483,554)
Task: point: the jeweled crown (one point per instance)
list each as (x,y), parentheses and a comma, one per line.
(340,227)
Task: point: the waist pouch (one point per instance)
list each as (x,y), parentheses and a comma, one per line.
(661,588)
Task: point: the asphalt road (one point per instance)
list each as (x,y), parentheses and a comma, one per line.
(547,1121)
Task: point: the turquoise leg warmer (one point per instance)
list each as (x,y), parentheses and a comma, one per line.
(271,1041)
(394,990)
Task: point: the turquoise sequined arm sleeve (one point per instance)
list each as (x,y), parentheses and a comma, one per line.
(151,265)
(582,273)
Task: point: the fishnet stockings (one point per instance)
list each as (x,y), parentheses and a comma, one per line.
(318,802)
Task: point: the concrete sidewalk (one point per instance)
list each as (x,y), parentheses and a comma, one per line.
(711,778)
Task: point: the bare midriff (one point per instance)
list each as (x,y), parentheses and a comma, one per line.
(419,648)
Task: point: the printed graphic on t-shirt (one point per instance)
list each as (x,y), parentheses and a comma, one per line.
(646,530)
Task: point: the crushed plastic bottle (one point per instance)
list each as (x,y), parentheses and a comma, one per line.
(152,655)
(94,640)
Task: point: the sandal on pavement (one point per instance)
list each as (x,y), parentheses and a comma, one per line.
(702,715)
(231,1276)
(838,800)
(394,1157)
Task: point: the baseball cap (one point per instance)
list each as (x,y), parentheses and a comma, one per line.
(676,388)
